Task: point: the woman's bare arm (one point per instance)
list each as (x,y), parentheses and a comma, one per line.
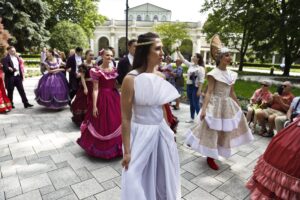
(127,95)
(233,95)
(95,97)
(210,89)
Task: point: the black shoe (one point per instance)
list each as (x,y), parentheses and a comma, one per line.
(27,105)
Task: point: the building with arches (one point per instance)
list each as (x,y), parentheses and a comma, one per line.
(142,19)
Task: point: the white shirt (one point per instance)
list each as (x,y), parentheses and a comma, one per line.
(195,70)
(130,58)
(78,61)
(15,62)
(294,103)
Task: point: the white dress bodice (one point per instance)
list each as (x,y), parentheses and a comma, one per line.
(151,93)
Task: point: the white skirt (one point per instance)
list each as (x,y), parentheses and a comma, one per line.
(153,172)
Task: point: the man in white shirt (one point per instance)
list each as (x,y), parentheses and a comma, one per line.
(72,65)
(125,64)
(12,68)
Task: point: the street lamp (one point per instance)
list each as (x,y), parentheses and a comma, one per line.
(126,26)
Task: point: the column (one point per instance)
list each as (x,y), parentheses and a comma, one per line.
(91,44)
(234,57)
(273,58)
(204,57)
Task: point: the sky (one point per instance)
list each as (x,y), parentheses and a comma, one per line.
(182,10)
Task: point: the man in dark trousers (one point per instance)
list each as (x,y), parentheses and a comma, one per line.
(72,65)
(125,64)
(13,70)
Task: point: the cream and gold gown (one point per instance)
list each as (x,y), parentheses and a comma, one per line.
(224,126)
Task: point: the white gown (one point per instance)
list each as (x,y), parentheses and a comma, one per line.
(153,172)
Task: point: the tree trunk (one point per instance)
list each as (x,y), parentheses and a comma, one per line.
(288,64)
(243,49)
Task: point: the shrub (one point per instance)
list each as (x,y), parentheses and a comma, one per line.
(66,35)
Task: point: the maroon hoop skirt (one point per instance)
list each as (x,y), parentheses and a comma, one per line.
(80,104)
(277,173)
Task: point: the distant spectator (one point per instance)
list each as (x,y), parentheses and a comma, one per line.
(292,113)
(259,100)
(71,52)
(279,106)
(179,81)
(167,70)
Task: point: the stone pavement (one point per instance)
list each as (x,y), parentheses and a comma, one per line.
(39,159)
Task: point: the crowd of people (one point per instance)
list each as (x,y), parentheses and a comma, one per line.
(124,111)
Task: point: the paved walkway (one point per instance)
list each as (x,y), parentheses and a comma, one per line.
(40,159)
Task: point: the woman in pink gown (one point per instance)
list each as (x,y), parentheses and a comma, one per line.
(101,128)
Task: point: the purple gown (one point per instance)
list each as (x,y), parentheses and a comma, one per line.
(52,90)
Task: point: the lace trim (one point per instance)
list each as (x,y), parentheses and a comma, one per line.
(107,75)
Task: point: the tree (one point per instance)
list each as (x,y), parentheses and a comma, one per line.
(232,20)
(171,33)
(67,35)
(25,20)
(4,37)
(82,12)
(266,26)
(283,21)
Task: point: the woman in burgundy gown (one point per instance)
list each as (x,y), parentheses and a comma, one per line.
(5,104)
(101,128)
(277,173)
(84,94)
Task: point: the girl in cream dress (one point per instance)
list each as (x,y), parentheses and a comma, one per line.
(222,124)
(150,156)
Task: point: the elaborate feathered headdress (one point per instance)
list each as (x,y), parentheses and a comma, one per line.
(216,47)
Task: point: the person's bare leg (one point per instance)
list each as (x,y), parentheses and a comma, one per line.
(249,114)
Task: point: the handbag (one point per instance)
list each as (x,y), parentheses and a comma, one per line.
(179,81)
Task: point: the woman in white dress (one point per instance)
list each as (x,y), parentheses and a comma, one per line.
(150,157)
(222,124)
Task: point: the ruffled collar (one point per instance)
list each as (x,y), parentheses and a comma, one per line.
(107,75)
(226,76)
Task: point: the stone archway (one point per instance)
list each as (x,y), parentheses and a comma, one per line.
(122,46)
(186,48)
(103,42)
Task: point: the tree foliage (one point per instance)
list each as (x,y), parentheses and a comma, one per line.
(67,35)
(4,37)
(25,20)
(172,33)
(265,25)
(82,12)
(232,20)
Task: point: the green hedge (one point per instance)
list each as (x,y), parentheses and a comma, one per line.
(30,55)
(268,65)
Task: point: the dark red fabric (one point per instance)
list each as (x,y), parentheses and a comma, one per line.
(5,104)
(277,173)
(172,120)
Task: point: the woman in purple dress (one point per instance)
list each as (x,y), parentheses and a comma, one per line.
(84,94)
(52,90)
(101,128)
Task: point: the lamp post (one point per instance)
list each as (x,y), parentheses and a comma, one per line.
(126,26)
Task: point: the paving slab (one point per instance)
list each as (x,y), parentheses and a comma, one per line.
(40,159)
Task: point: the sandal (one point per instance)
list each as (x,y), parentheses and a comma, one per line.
(262,131)
(268,134)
